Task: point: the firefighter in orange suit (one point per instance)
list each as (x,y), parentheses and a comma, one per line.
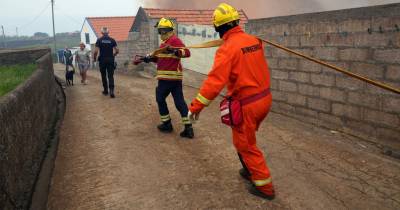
(169,75)
(240,64)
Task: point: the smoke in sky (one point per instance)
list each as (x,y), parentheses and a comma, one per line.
(35,15)
(267,8)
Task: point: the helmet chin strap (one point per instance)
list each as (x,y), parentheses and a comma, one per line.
(166,36)
(222,29)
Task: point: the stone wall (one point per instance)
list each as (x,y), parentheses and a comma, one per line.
(123,55)
(142,42)
(363,40)
(27,115)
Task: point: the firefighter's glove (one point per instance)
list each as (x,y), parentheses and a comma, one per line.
(147,58)
(193,117)
(171,50)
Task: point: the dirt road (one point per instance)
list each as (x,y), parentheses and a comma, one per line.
(111,156)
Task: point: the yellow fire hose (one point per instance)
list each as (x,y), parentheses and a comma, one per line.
(214,43)
(218,42)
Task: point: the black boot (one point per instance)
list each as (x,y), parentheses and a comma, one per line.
(188,132)
(105,92)
(245,174)
(112,93)
(253,190)
(165,127)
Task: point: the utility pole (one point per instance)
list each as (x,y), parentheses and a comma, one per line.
(16,31)
(54,29)
(4,37)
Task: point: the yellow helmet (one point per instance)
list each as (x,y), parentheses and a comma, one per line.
(225,13)
(165,23)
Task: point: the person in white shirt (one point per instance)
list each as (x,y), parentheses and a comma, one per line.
(82,57)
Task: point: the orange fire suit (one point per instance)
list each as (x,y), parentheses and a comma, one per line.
(240,64)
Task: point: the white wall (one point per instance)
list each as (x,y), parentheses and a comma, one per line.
(201,60)
(92,36)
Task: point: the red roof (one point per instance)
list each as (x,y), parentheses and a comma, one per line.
(200,17)
(117,26)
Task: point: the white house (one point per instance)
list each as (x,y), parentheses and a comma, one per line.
(118,27)
(88,35)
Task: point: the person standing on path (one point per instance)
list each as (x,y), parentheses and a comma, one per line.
(107,47)
(169,75)
(82,57)
(240,64)
(68,58)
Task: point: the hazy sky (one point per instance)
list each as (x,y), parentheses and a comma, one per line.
(35,15)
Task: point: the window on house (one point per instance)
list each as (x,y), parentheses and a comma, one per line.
(87,38)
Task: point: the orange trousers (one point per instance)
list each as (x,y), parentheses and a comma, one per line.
(244,139)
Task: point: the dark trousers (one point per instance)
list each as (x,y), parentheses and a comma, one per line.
(166,87)
(107,72)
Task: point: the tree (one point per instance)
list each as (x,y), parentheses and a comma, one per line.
(41,35)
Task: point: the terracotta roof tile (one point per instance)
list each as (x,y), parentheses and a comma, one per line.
(201,17)
(118,26)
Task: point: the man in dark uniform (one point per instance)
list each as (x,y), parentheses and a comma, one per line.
(108,50)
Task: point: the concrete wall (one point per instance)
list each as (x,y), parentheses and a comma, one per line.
(201,60)
(27,115)
(364,40)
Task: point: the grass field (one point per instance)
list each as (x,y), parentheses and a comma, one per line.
(12,76)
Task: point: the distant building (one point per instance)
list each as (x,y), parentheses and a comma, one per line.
(118,26)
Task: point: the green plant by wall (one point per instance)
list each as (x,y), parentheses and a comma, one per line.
(12,76)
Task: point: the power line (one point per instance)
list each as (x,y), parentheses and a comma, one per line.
(36,17)
(72,19)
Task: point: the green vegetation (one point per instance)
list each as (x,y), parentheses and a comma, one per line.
(12,76)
